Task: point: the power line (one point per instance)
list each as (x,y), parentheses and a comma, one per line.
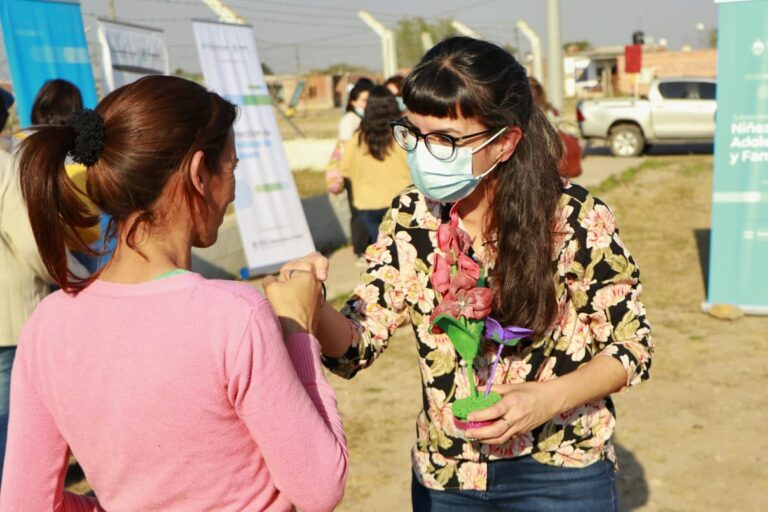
(312,6)
(325,38)
(251,20)
(351,17)
(250,7)
(464,7)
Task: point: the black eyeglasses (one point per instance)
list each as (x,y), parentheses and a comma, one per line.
(440,145)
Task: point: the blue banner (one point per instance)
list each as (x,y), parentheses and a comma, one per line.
(739,243)
(44,39)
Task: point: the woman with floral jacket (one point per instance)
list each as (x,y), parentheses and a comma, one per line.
(488,201)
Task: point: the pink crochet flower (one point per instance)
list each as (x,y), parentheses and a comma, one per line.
(461,281)
(468,265)
(474,304)
(441,274)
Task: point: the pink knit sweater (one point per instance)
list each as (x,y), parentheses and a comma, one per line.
(175,395)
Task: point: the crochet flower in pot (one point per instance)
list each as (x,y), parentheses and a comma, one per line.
(463,313)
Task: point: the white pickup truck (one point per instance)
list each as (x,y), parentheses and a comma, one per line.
(677,110)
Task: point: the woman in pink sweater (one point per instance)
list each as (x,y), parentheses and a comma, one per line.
(174,392)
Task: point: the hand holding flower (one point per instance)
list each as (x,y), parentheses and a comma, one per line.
(522,408)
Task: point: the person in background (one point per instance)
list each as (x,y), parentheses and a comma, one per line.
(348,125)
(173,392)
(570,164)
(24,281)
(373,163)
(539,96)
(6,102)
(395,86)
(355,109)
(55,102)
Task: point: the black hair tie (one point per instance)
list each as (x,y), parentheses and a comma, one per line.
(89,139)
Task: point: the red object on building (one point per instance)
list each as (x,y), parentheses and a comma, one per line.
(633,57)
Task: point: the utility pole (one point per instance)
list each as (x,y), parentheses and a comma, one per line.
(533,38)
(426,41)
(112,14)
(464,30)
(388,50)
(554,55)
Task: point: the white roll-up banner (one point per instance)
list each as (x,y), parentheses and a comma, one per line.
(129,52)
(269,212)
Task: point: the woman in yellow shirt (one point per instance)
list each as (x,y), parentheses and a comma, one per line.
(372,162)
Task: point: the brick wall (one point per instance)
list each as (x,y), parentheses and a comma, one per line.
(701,63)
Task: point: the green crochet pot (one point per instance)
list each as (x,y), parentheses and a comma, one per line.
(465,334)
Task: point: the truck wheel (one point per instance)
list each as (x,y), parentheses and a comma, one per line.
(627,140)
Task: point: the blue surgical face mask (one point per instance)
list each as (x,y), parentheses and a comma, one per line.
(400,103)
(359,111)
(446,181)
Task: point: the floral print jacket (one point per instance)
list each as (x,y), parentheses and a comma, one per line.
(598,291)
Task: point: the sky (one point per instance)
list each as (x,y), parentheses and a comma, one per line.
(297,35)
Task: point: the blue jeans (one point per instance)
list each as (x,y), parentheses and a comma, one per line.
(6,363)
(524,485)
(372,220)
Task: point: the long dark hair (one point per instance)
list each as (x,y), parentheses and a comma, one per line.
(149,136)
(476,79)
(361,86)
(55,101)
(375,131)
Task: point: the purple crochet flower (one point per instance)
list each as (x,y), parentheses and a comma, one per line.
(504,336)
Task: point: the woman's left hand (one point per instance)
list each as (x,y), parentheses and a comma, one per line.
(522,408)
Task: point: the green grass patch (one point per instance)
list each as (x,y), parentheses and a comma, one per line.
(628,176)
(687,166)
(309,183)
(696,167)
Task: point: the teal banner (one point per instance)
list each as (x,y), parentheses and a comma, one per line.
(739,242)
(44,39)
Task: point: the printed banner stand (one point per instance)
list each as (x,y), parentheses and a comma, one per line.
(129,52)
(269,212)
(739,241)
(44,39)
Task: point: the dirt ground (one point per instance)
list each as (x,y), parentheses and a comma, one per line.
(692,438)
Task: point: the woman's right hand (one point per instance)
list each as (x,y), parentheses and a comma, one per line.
(312,262)
(296,294)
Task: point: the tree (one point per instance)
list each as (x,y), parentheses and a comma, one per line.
(339,68)
(511,49)
(266,69)
(572,47)
(195,77)
(408,37)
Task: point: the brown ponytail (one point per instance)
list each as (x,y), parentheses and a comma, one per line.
(151,129)
(54,206)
